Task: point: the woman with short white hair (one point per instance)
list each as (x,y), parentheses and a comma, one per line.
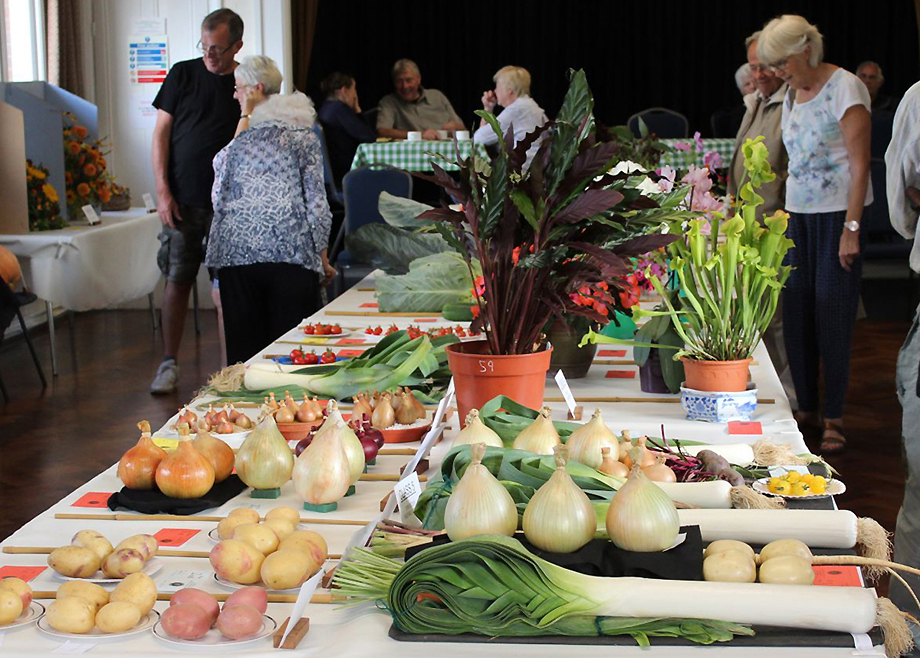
(512,92)
(826,126)
(271,220)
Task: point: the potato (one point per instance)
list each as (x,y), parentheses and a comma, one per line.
(72,614)
(185,621)
(289,514)
(139,589)
(94,541)
(729,567)
(237,561)
(146,544)
(204,600)
(123,562)
(239,621)
(117,617)
(19,587)
(248,513)
(10,606)
(785,547)
(787,570)
(287,569)
(74,561)
(280,527)
(308,542)
(226,526)
(91,592)
(254,596)
(260,537)
(722,545)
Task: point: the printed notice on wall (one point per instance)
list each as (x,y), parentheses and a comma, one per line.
(148,63)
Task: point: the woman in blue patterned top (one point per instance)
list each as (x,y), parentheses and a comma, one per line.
(826,125)
(271,220)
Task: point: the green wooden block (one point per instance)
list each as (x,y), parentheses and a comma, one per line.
(328,507)
(351,491)
(266,493)
(372,462)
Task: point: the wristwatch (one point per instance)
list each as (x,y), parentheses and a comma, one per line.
(851,225)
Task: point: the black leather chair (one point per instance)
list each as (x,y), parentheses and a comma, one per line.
(10,304)
(665,123)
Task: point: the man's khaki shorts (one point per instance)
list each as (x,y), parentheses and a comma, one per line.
(182,249)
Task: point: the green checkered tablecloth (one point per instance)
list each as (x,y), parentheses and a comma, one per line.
(682,159)
(412,156)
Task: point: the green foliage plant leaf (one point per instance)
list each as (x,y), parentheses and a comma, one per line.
(432,282)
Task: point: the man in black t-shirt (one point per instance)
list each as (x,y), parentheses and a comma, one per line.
(196,117)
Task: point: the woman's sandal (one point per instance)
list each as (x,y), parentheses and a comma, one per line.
(834,443)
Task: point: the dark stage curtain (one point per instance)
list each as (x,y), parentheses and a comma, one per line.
(637,55)
(303,30)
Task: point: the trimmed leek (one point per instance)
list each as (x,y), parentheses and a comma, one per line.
(492,586)
(824,528)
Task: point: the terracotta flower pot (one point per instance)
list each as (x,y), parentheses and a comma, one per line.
(572,360)
(727,376)
(480,376)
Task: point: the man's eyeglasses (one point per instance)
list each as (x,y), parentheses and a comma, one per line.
(760,68)
(214,51)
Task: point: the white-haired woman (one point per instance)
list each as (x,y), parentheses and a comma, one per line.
(512,92)
(271,219)
(826,125)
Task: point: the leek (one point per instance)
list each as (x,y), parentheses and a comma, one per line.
(490,585)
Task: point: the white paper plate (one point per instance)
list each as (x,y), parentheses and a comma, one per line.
(231,585)
(95,636)
(214,640)
(834,488)
(170,432)
(33,613)
(153,565)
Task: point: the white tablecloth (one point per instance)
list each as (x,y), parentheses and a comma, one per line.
(91,267)
(363,631)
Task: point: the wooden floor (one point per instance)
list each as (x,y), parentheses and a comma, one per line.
(55,440)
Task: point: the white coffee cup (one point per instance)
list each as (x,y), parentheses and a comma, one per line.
(443,135)
(462,135)
(414,136)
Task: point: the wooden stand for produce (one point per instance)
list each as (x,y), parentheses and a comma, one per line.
(296,635)
(579,412)
(420,468)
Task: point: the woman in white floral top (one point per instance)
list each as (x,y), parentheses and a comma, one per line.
(271,220)
(826,124)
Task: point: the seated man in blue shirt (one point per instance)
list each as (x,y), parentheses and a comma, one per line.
(342,126)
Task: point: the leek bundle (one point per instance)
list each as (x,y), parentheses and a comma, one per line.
(490,585)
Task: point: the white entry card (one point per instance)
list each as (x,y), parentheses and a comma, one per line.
(148,202)
(566,391)
(409,488)
(91,215)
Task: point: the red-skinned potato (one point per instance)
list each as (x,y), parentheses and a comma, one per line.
(185,621)
(254,596)
(236,561)
(19,587)
(204,600)
(239,622)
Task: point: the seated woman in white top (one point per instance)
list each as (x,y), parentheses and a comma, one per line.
(512,89)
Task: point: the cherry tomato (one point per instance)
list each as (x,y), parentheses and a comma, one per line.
(369,331)
(328,357)
(378,330)
(297,353)
(309,329)
(335,329)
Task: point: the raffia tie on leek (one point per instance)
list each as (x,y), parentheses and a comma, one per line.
(490,585)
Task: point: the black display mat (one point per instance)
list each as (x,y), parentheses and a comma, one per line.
(155,502)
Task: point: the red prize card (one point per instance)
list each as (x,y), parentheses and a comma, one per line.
(368,305)
(837,576)
(175,536)
(350,341)
(621,374)
(99,500)
(611,352)
(741,427)
(26,573)
(350,353)
(425,320)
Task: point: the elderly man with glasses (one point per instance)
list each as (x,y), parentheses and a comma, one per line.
(197,116)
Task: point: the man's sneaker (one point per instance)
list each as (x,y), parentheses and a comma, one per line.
(167,378)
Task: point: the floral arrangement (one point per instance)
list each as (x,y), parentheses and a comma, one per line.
(85,174)
(44,206)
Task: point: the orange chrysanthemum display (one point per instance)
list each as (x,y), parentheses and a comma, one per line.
(88,182)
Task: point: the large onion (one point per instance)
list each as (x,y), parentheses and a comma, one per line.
(479,504)
(185,473)
(322,471)
(265,461)
(217,452)
(540,436)
(586,442)
(353,448)
(138,466)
